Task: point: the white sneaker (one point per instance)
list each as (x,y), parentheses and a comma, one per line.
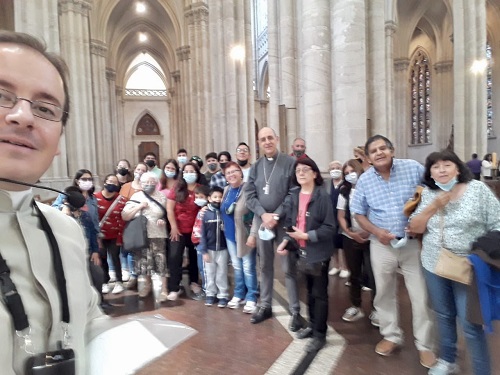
(125,275)
(118,288)
(334,271)
(366,289)
(250,307)
(234,303)
(105,289)
(444,368)
(352,314)
(112,276)
(344,274)
(172,296)
(374,318)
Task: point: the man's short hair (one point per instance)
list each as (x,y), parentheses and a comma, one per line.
(211,155)
(376,138)
(243,144)
(181,150)
(56,60)
(150,153)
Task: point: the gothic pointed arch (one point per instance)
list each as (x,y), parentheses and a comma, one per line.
(420,97)
(147,125)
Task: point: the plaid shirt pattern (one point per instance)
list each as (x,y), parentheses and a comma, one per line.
(219,180)
(382,201)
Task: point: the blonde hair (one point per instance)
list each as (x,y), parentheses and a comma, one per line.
(359,150)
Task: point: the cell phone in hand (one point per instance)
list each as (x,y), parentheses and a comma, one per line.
(289,229)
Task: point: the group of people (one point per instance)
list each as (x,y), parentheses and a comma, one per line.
(233,211)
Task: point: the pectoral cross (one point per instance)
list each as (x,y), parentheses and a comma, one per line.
(266,189)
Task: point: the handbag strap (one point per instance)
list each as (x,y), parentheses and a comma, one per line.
(108,212)
(441,228)
(158,203)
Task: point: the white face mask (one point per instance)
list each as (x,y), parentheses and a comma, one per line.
(169,174)
(352,178)
(182,159)
(85,185)
(265,234)
(396,244)
(200,202)
(336,174)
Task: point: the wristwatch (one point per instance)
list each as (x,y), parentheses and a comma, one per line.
(276,217)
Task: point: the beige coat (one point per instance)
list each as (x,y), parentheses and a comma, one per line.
(241,230)
(25,248)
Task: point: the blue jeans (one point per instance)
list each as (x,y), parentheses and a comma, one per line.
(128,262)
(449,301)
(245,273)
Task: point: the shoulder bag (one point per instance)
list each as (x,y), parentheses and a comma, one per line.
(135,234)
(413,202)
(450,265)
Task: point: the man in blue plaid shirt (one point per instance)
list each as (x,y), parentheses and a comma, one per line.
(378,201)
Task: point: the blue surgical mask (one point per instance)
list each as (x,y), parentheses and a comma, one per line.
(190,178)
(396,244)
(169,174)
(266,234)
(448,186)
(182,159)
(148,189)
(200,202)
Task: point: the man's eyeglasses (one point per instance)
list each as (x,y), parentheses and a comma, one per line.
(47,111)
(242,151)
(229,173)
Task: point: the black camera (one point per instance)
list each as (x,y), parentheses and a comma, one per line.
(57,362)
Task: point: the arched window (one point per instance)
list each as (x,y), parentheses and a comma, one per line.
(489,89)
(420,80)
(145,77)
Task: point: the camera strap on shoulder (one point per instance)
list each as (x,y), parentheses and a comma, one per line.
(13,300)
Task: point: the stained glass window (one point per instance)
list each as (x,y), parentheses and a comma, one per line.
(420,81)
(489,89)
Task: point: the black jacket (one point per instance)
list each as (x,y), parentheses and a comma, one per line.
(320,223)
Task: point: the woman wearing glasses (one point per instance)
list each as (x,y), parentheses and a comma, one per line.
(237,220)
(310,228)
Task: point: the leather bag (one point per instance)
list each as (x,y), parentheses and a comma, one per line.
(135,234)
(412,203)
(449,265)
(453,267)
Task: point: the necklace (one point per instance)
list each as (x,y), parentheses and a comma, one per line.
(266,179)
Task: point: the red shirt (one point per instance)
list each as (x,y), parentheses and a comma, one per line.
(113,226)
(185,212)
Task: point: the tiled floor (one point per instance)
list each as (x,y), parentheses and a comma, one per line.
(227,343)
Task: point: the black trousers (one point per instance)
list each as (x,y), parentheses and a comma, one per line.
(175,255)
(110,246)
(96,277)
(317,300)
(357,256)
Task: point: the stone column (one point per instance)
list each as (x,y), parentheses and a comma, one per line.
(402,111)
(314,53)
(377,85)
(75,47)
(117,137)
(197,18)
(273,65)
(442,112)
(390,29)
(105,152)
(469,25)
(40,19)
(177,117)
(232,99)
(348,77)
(185,130)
